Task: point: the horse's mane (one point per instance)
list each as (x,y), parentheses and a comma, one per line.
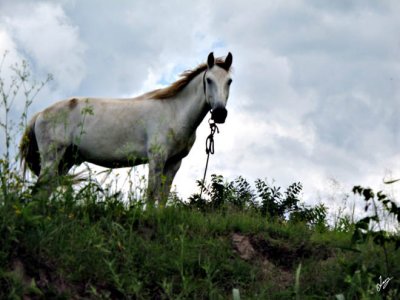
(186,77)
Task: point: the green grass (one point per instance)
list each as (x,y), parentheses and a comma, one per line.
(84,245)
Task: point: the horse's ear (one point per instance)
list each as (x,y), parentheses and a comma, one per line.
(228,61)
(210,60)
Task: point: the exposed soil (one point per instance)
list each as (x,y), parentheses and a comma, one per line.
(277,259)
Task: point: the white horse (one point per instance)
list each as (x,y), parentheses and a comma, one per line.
(158,128)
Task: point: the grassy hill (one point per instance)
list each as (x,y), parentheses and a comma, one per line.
(87,243)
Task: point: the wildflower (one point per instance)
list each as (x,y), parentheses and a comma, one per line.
(16,210)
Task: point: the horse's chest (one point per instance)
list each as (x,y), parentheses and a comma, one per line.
(180,143)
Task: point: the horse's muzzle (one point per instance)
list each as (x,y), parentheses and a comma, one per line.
(219,114)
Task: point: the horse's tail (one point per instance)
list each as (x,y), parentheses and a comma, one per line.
(28,148)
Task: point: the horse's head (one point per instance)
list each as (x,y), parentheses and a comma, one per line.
(217,81)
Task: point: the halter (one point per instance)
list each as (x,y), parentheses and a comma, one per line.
(204,84)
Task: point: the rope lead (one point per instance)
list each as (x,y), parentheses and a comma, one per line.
(209,150)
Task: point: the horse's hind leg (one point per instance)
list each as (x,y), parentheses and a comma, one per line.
(49,174)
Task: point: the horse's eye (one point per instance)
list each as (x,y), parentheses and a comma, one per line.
(229,81)
(209,81)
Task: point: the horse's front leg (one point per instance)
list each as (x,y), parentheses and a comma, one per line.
(170,170)
(156,178)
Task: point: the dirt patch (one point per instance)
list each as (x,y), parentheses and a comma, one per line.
(243,246)
(277,258)
(278,252)
(280,278)
(287,255)
(261,253)
(33,274)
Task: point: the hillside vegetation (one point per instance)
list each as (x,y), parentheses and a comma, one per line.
(87,243)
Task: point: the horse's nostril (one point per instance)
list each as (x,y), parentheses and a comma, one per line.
(219,114)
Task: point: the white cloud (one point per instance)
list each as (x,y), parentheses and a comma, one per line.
(8,45)
(43,32)
(9,56)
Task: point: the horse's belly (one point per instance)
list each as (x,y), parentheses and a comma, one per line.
(123,163)
(113,154)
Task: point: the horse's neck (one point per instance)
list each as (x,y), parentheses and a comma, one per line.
(191,103)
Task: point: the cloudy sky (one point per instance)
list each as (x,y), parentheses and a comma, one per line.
(316,91)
